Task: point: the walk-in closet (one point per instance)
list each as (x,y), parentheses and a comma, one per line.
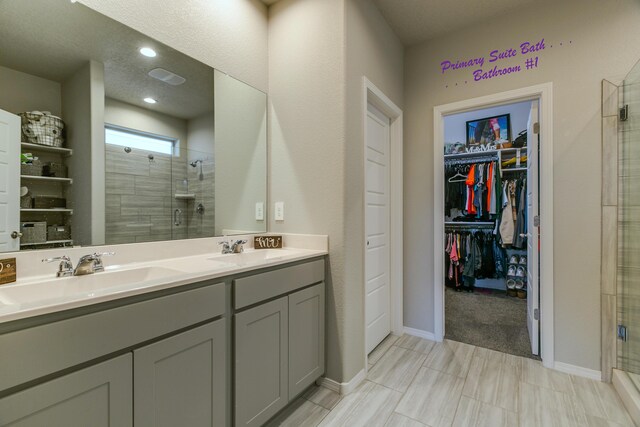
(490,203)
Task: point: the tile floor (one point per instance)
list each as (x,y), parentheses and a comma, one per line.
(413,382)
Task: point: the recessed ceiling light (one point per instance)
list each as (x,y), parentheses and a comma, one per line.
(150,100)
(147,51)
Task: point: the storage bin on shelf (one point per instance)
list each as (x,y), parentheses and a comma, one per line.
(43,128)
(33,232)
(57,170)
(31,169)
(49,202)
(58,232)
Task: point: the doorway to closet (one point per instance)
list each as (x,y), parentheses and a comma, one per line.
(491,210)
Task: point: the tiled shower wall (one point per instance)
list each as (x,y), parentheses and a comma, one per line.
(140,201)
(628,271)
(138,196)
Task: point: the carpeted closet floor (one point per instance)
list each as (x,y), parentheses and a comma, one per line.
(488,319)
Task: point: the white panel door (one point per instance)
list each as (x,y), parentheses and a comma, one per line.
(377,289)
(9,181)
(533,235)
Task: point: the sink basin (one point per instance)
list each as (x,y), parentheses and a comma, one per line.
(252,257)
(79,286)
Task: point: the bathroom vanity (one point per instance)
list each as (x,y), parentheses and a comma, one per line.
(214,340)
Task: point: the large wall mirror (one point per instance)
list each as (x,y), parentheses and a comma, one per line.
(126,140)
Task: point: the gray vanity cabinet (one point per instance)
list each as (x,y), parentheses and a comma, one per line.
(181,380)
(261,365)
(306,338)
(100,395)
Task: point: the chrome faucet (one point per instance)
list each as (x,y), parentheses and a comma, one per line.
(65,268)
(232,248)
(89,264)
(237,246)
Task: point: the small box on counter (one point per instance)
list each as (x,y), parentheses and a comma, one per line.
(33,232)
(57,170)
(7,270)
(49,202)
(58,232)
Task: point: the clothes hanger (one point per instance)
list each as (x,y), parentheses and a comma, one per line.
(458,175)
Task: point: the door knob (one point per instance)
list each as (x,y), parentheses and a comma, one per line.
(523,234)
(16,234)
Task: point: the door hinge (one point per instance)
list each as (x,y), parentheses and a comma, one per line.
(536,314)
(536,221)
(536,128)
(622,332)
(624,113)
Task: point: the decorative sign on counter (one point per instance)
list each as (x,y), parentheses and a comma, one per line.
(7,270)
(267,242)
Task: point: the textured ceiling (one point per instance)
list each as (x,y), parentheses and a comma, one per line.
(52,39)
(416,21)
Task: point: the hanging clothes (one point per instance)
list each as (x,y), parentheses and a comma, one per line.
(521,222)
(507,226)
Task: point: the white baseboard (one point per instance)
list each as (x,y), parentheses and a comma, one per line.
(420,333)
(343,388)
(578,370)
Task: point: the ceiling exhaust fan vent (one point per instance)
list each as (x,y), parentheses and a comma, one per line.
(167,76)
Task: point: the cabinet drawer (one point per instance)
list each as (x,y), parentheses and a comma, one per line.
(32,353)
(100,395)
(260,287)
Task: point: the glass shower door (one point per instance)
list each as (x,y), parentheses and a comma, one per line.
(629,224)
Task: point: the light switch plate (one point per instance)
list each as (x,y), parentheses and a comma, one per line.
(279,211)
(259,211)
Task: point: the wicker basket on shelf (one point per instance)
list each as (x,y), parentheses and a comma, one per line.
(40,127)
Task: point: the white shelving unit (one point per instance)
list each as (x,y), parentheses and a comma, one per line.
(46,186)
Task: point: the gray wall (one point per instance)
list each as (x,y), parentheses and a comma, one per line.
(600,34)
(318,52)
(230,35)
(241,153)
(23,92)
(83,113)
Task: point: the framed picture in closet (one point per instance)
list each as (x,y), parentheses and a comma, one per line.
(494,130)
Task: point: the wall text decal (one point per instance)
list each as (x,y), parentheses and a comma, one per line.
(492,61)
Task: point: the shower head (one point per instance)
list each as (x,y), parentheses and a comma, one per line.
(195,163)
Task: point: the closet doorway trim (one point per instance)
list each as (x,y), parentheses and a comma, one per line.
(373,95)
(544,94)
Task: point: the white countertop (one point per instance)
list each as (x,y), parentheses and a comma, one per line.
(43,294)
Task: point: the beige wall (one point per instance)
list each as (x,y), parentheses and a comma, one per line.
(145,120)
(230,35)
(373,51)
(318,52)
(241,155)
(307,134)
(25,92)
(600,35)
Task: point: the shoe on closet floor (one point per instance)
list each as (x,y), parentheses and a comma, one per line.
(521,272)
(511,271)
(523,260)
(513,259)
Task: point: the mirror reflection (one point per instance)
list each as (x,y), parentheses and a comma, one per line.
(121,138)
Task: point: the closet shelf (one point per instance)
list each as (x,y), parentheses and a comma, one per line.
(49,242)
(45,178)
(514,170)
(70,211)
(46,148)
(481,153)
(470,223)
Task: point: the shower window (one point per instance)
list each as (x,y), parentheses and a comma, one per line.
(140,140)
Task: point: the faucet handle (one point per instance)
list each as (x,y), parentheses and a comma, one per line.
(58,258)
(97,260)
(65,268)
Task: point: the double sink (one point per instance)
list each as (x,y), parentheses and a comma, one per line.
(119,279)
